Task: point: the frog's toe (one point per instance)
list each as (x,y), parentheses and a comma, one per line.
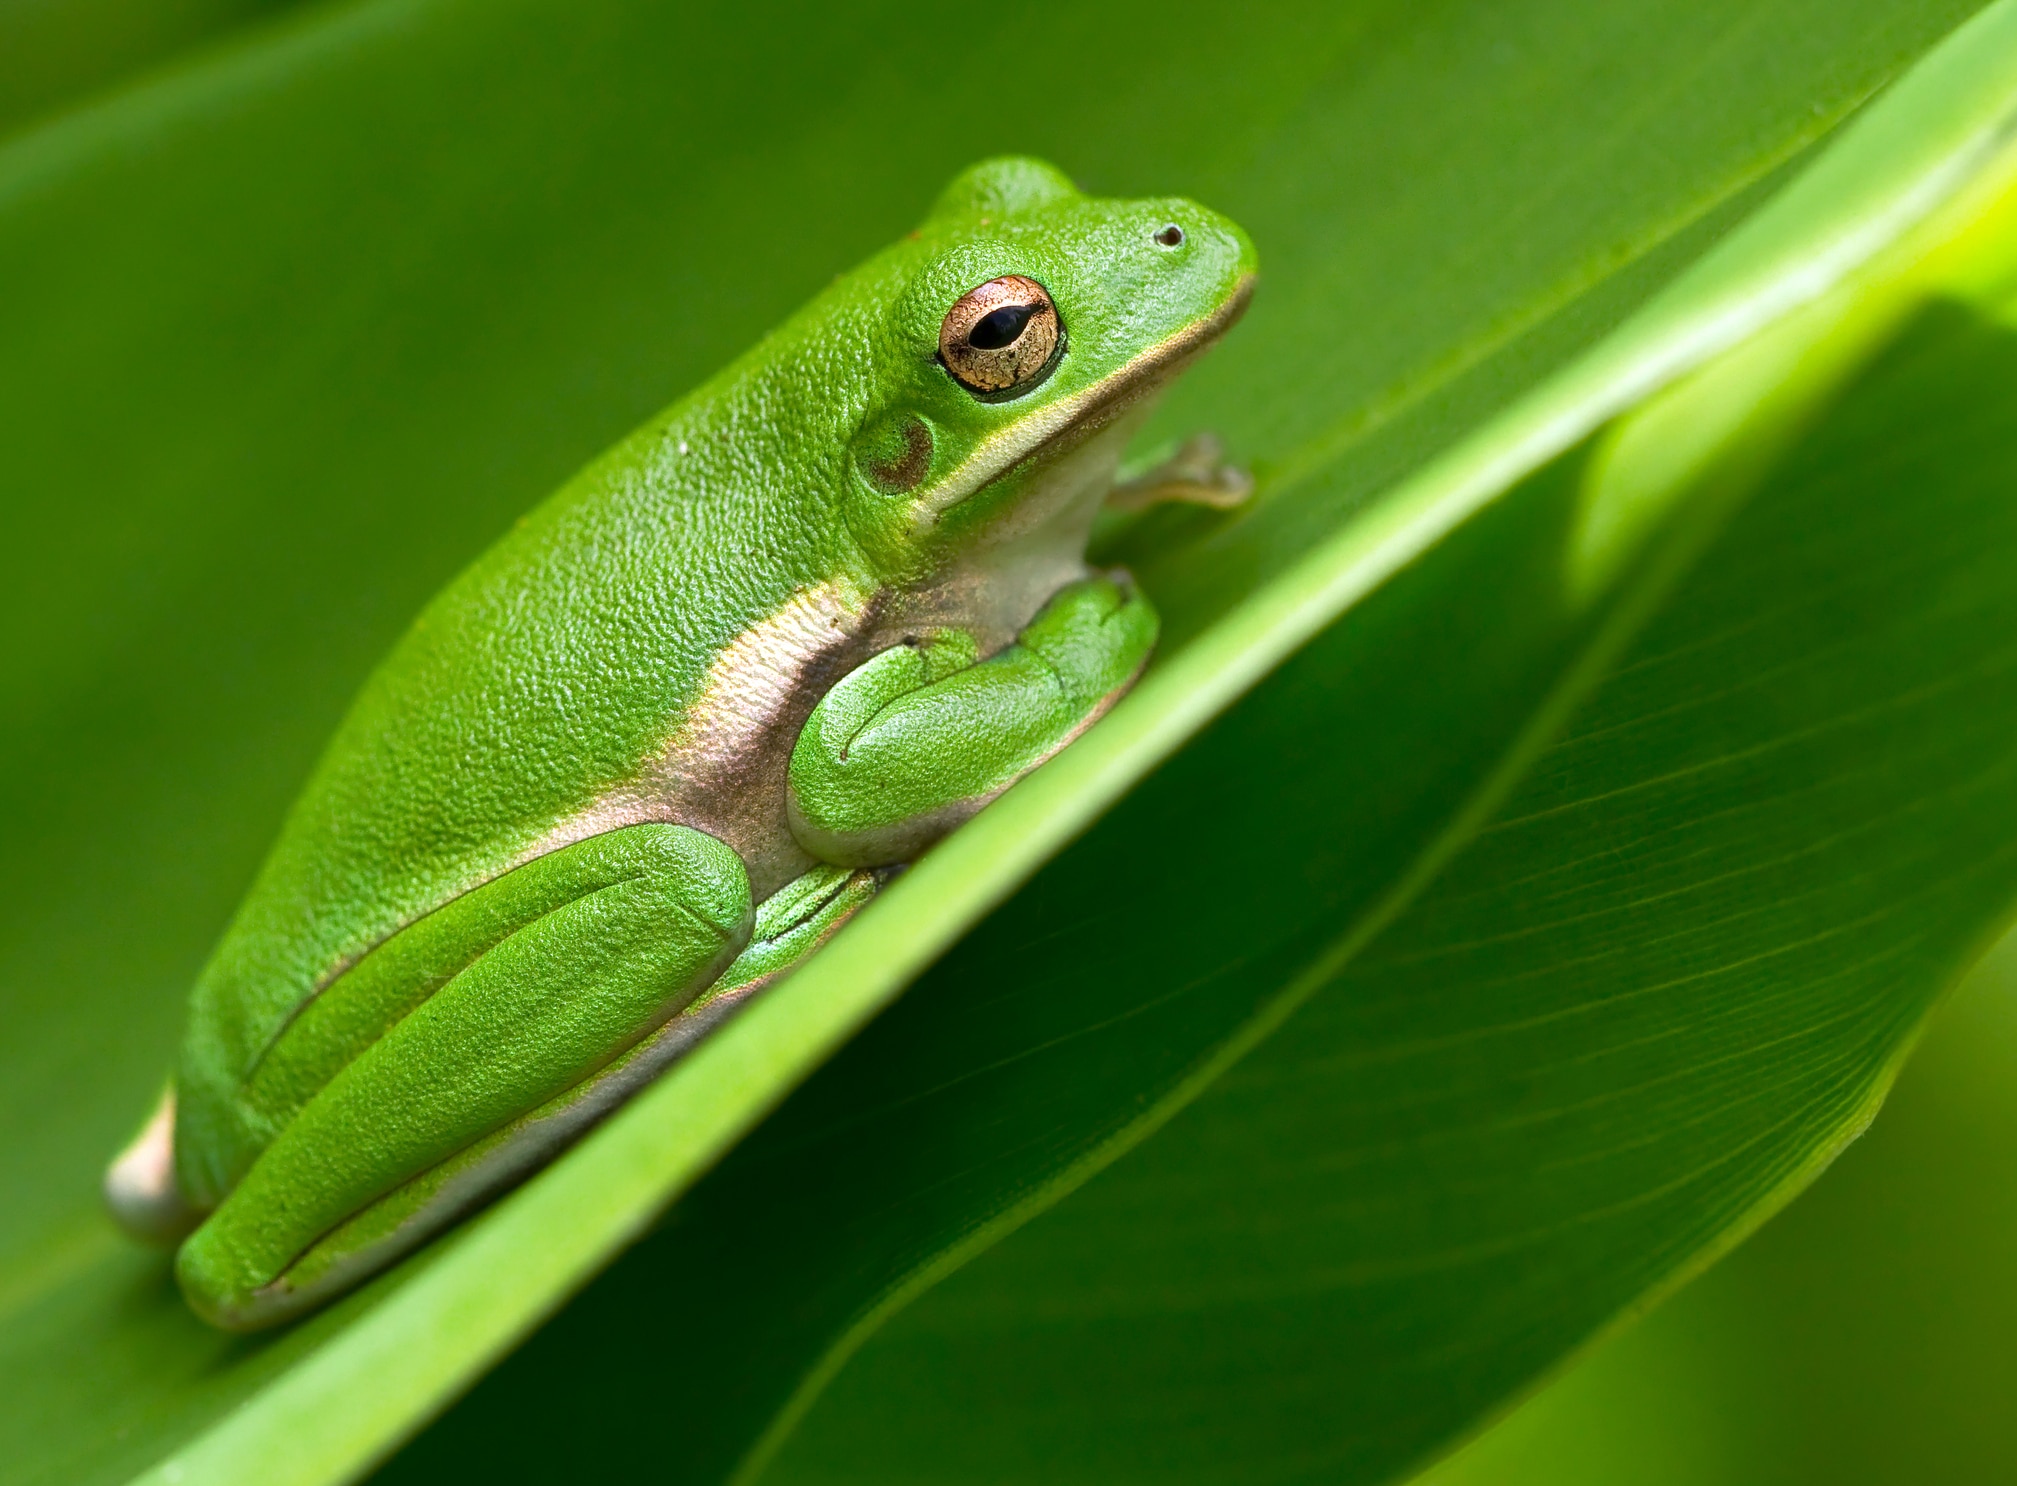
(1198,474)
(140,1186)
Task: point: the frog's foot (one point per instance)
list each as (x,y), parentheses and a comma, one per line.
(920,736)
(1197,475)
(527,987)
(140,1186)
(790,924)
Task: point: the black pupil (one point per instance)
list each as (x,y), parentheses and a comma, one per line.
(1002,327)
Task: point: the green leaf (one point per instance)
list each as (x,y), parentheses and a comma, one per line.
(1860,1338)
(1666,985)
(1662,989)
(376,284)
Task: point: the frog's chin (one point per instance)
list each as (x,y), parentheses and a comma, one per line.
(1058,429)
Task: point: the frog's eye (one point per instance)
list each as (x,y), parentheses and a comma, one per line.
(1002,338)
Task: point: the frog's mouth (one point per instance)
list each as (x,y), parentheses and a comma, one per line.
(1070,421)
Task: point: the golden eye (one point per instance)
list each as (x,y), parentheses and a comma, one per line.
(1001,338)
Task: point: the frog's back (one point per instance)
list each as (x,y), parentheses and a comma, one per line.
(539,699)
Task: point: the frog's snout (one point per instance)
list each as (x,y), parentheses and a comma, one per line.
(1210,252)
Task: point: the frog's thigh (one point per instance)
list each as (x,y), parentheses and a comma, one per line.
(531,1018)
(790,925)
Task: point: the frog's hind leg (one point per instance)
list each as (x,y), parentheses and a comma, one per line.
(790,924)
(557,969)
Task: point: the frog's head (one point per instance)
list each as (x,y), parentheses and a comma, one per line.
(1022,331)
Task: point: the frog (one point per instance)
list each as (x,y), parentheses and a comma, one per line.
(677,726)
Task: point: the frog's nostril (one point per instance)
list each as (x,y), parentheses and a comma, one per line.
(1171,236)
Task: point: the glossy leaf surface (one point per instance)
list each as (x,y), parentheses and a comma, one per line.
(1666,984)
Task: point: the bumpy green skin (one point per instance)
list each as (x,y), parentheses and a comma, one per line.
(543,825)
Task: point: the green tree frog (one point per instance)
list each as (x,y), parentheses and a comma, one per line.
(653,748)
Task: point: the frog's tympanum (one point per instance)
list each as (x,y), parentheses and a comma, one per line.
(659,742)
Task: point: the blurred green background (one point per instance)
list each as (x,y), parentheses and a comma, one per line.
(55,53)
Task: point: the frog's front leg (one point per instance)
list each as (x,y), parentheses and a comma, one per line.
(1198,474)
(913,742)
(551,971)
